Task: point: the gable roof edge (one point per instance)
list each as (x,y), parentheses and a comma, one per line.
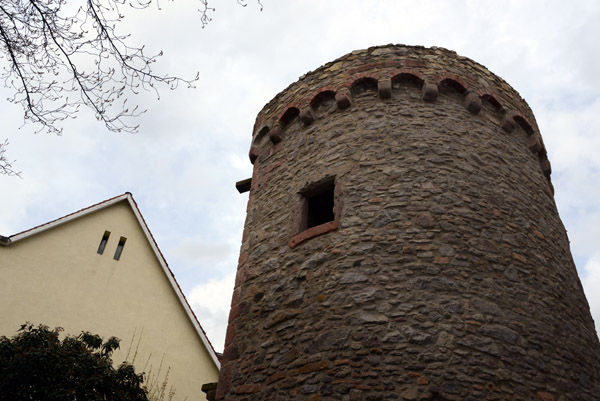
(72,216)
(171,277)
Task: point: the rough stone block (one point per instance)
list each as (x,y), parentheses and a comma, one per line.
(307,115)
(313,367)
(534,144)
(343,98)
(253,154)
(545,396)
(499,333)
(244,185)
(545,165)
(276,134)
(210,389)
(224,383)
(473,103)
(230,334)
(384,88)
(508,123)
(430,92)
(247,389)
(276,376)
(231,352)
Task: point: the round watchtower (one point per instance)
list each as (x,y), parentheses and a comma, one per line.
(402,242)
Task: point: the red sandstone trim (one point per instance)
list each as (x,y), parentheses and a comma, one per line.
(491,99)
(316,100)
(360,79)
(410,74)
(313,232)
(523,123)
(343,97)
(452,78)
(290,113)
(370,67)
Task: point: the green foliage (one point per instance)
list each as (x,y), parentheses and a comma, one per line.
(36,365)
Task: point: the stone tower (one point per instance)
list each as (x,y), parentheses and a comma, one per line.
(402,243)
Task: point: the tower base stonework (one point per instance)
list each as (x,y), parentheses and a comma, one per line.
(402,243)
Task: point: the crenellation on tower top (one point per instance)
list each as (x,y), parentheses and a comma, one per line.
(376,66)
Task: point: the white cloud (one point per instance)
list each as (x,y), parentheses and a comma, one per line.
(199,251)
(193,143)
(211,302)
(591,284)
(571,135)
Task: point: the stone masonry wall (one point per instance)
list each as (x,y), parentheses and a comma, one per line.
(447,273)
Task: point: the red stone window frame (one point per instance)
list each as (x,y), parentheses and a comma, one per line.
(302,231)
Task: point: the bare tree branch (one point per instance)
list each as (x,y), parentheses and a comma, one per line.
(6,167)
(61,54)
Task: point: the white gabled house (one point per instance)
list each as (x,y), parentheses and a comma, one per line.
(100,270)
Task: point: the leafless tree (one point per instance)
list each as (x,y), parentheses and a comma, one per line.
(60,55)
(6,167)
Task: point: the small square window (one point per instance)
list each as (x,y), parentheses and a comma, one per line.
(318,210)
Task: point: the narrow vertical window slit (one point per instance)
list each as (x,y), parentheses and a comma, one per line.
(120,248)
(103,242)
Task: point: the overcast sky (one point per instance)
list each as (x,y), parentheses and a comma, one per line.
(192,145)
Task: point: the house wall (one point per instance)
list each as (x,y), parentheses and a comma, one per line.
(57,278)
